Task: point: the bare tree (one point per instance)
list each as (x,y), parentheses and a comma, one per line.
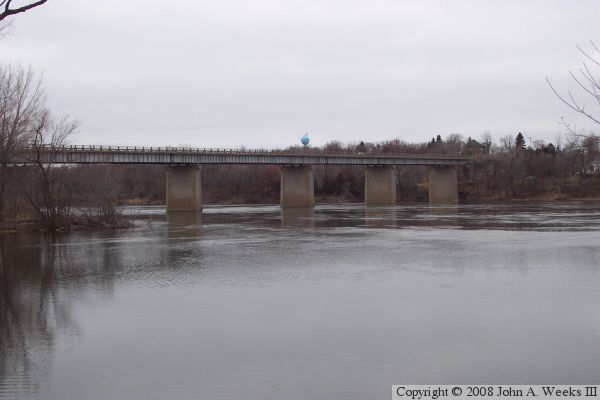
(26,123)
(8,9)
(50,194)
(507,143)
(454,143)
(588,85)
(486,142)
(21,105)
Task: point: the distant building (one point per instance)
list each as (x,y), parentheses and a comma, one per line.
(473,147)
(593,167)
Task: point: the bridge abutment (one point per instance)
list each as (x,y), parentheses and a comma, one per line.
(380,185)
(297,186)
(443,185)
(184,188)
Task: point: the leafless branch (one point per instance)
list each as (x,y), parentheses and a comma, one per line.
(581,85)
(573,105)
(587,55)
(8,11)
(587,82)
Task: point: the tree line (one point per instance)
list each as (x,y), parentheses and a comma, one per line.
(58,197)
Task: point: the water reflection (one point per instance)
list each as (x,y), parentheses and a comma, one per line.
(298,217)
(42,278)
(34,310)
(380,217)
(447,215)
(182,227)
(182,219)
(186,302)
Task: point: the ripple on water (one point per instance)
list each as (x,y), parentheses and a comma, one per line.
(181,306)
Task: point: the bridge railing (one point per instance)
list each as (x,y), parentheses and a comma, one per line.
(192,150)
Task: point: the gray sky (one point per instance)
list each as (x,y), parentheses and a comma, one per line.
(227,73)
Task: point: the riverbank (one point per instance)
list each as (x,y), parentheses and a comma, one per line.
(76,224)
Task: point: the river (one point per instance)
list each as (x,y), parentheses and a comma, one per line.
(339,302)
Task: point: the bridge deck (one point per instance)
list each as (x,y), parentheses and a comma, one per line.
(190,156)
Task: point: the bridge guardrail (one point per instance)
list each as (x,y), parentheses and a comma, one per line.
(270,152)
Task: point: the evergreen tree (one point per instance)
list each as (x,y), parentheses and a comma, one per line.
(520,141)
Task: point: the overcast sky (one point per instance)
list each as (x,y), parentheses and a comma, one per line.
(227,73)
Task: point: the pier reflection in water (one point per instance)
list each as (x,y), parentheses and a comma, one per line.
(339,302)
(298,217)
(380,217)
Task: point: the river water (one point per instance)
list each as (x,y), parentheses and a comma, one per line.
(339,302)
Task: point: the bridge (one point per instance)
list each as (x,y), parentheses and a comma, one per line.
(184,184)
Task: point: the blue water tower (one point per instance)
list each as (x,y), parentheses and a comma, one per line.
(305,139)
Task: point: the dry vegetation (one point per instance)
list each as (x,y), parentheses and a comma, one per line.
(41,192)
(60,197)
(57,198)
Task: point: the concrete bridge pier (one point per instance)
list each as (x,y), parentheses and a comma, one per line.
(443,185)
(380,185)
(184,188)
(297,186)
